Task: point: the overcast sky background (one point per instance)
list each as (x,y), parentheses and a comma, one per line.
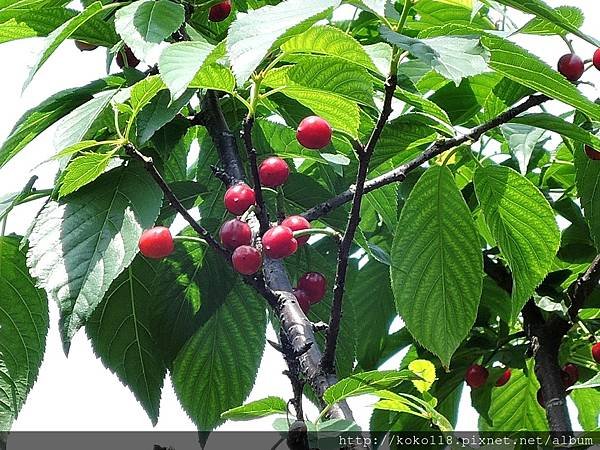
(78,393)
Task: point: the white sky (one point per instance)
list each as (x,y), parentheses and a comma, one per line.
(78,393)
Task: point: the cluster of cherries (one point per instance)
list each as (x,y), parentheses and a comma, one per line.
(572,67)
(279,241)
(476,375)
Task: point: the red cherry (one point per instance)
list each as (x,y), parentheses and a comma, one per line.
(156,243)
(596,59)
(239,198)
(303,299)
(220,11)
(570,375)
(279,242)
(130,60)
(314,284)
(246,260)
(314,132)
(503,378)
(84,46)
(540,398)
(297,223)
(234,233)
(273,172)
(596,352)
(592,154)
(571,66)
(476,376)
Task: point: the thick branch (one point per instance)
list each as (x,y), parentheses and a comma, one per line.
(277,288)
(364,155)
(399,174)
(261,210)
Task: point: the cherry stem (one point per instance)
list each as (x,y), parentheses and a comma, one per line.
(315,231)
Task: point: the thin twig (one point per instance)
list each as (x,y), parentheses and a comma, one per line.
(399,173)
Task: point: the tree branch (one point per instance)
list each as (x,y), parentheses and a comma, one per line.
(399,174)
(328,360)
(261,210)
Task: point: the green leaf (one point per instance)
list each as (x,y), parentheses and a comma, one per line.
(521,66)
(522,223)
(437,269)
(375,313)
(83,170)
(569,130)
(123,337)
(159,112)
(216,368)
(587,177)
(144,91)
(454,57)
(522,140)
(514,406)
(72,128)
(61,34)
(366,383)
(23,330)
(144,24)
(541,26)
(253,34)
(259,408)
(587,401)
(38,119)
(214,76)
(540,9)
(592,383)
(424,369)
(180,62)
(330,41)
(93,232)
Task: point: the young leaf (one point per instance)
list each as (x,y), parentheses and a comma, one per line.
(521,66)
(424,369)
(522,140)
(216,368)
(522,223)
(38,119)
(92,232)
(437,270)
(587,177)
(180,62)
(83,170)
(366,383)
(123,337)
(330,41)
(253,34)
(23,330)
(259,408)
(454,57)
(59,35)
(144,24)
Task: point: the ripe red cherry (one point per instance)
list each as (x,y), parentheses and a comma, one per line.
(273,172)
(596,59)
(234,233)
(279,242)
(570,375)
(303,300)
(476,376)
(156,243)
(571,66)
(540,398)
(596,352)
(220,11)
(314,132)
(84,46)
(504,378)
(246,260)
(314,284)
(239,198)
(297,223)
(130,60)
(592,154)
